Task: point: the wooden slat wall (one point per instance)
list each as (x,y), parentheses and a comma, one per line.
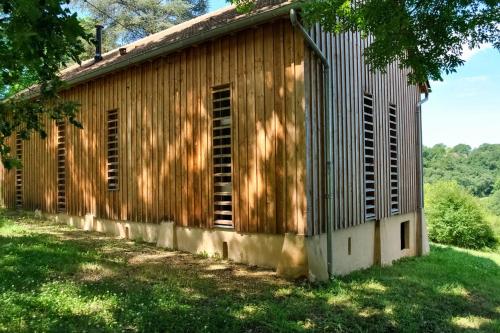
(352,77)
(39,172)
(165,136)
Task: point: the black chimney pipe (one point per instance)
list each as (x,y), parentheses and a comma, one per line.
(98,42)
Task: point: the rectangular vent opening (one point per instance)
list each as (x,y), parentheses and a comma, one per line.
(19,173)
(112,149)
(225,251)
(222,158)
(369,156)
(394,161)
(61,166)
(405,235)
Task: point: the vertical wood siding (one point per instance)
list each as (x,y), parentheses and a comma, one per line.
(351,78)
(165,135)
(278,136)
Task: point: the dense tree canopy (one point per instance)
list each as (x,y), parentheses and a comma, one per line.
(426,36)
(37,38)
(478,170)
(128,20)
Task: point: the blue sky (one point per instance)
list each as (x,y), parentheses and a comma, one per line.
(216,4)
(465,107)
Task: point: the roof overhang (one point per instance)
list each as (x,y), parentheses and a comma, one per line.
(196,31)
(262,15)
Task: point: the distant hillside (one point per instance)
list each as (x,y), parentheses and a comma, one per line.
(478,170)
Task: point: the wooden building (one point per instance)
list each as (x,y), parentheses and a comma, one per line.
(237,135)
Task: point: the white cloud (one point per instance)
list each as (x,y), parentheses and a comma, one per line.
(468,53)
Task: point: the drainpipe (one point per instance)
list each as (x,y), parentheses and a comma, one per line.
(420,174)
(329,129)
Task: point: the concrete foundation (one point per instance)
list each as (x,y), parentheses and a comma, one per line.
(360,253)
(363,246)
(286,253)
(426,248)
(390,238)
(292,256)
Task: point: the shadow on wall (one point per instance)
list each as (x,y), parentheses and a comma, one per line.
(266,110)
(71,280)
(177,186)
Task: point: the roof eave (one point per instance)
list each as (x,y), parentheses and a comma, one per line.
(162,50)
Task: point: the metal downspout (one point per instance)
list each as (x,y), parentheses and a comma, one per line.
(329,137)
(420,168)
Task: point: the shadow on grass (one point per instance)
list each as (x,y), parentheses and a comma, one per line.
(57,279)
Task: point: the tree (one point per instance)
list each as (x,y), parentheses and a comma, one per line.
(128,20)
(426,36)
(462,149)
(496,187)
(455,217)
(37,38)
(475,169)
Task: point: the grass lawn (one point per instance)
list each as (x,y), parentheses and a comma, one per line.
(57,279)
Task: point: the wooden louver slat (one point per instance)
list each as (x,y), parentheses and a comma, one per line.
(61,170)
(369,157)
(222,158)
(19,173)
(112,150)
(394,165)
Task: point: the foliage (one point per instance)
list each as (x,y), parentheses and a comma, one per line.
(455,217)
(477,169)
(493,203)
(127,21)
(37,38)
(496,187)
(27,79)
(494,221)
(57,279)
(426,36)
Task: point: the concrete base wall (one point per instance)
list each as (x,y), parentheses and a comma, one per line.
(390,238)
(426,247)
(263,250)
(293,256)
(362,248)
(285,253)
(130,230)
(370,245)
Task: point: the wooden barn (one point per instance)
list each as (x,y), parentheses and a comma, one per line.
(240,135)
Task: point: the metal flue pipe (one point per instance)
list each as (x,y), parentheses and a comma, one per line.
(98,42)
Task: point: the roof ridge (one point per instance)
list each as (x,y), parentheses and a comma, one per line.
(163,33)
(173,34)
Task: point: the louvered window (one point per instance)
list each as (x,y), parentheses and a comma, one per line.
(369,156)
(113,150)
(222,182)
(61,166)
(393,149)
(19,173)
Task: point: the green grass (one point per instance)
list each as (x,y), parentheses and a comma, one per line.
(57,279)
